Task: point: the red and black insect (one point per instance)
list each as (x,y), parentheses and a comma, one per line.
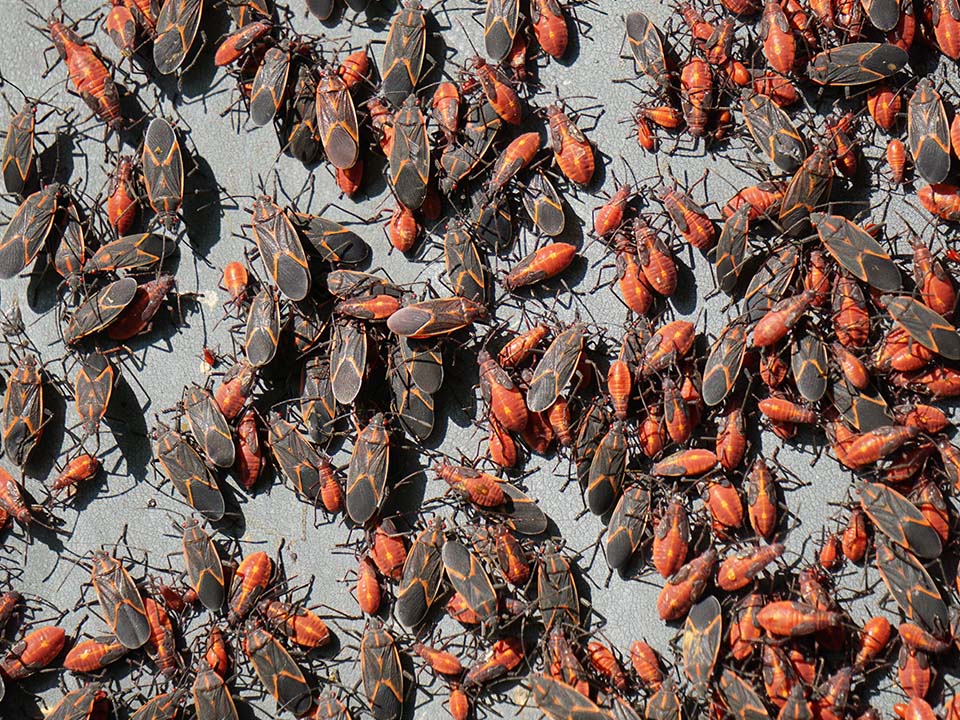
(269,88)
(204,569)
(925,326)
(142,252)
(469,579)
(900,520)
(410,154)
(280,249)
(859,63)
(177,26)
(337,120)
(627,523)
(277,670)
(403,53)
(774,132)
(368,470)
(297,459)
(23,415)
(211,696)
(120,601)
(18,163)
(208,426)
(381,672)
(555,369)
(700,644)
(28,229)
(186,470)
(500,27)
(162,163)
(647,48)
(433,318)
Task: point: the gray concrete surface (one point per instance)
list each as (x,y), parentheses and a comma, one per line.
(131,495)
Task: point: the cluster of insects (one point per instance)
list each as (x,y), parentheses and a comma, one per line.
(339,381)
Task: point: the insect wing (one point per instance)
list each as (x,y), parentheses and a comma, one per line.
(856,251)
(410,155)
(278,672)
(857,64)
(131,252)
(209,427)
(928,133)
(724,364)
(297,458)
(464,265)
(557,594)
(263,328)
(204,569)
(381,673)
(500,27)
(163,166)
(367,472)
(348,360)
(27,231)
(420,582)
(269,86)
(177,27)
(185,469)
(93,388)
(18,162)
(120,602)
(544,206)
(925,326)
(414,407)
(625,531)
(809,365)
(332,241)
(742,700)
(403,54)
(647,47)
(211,696)
(470,580)
(280,249)
(774,132)
(560,701)
(337,122)
(100,310)
(911,587)
(555,369)
(702,633)
(900,520)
